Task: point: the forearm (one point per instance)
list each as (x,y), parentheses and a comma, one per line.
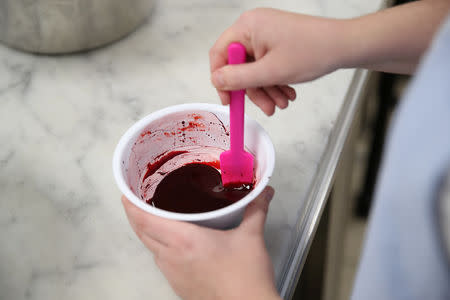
(392,40)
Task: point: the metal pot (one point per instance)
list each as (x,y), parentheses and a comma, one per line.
(62,26)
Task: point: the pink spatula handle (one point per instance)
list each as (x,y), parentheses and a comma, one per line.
(236,55)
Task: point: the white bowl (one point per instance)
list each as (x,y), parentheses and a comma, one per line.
(256,140)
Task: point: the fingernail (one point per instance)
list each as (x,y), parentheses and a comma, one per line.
(217,79)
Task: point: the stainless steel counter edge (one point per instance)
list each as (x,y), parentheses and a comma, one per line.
(317,195)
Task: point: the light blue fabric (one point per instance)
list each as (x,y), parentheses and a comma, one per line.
(403,257)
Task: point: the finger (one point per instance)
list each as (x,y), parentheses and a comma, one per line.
(262,72)
(126,203)
(153,245)
(134,221)
(218,54)
(280,99)
(165,231)
(256,212)
(224,97)
(262,100)
(288,91)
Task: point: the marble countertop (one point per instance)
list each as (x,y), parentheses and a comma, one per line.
(63,229)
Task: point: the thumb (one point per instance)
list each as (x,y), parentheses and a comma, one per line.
(242,76)
(256,212)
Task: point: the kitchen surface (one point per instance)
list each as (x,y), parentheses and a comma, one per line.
(63,228)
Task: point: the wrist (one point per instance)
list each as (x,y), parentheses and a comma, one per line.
(349,44)
(343,49)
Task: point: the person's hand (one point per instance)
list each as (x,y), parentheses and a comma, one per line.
(202,263)
(283,47)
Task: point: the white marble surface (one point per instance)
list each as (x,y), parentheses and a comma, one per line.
(63,230)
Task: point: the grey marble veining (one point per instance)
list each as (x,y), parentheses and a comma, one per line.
(64,232)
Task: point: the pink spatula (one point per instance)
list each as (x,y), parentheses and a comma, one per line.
(236,164)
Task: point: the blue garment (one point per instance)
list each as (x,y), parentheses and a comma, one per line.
(403,256)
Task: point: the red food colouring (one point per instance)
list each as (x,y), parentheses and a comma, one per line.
(191,126)
(195,188)
(196,116)
(169,133)
(214,164)
(239,185)
(163,158)
(146,133)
